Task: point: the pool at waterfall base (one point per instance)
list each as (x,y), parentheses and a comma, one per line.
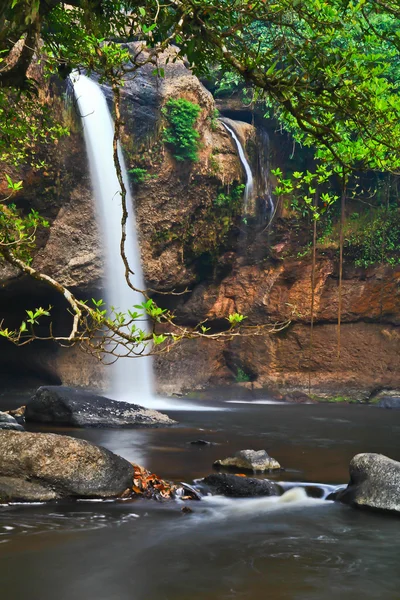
(294,547)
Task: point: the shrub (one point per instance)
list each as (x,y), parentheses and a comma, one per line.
(181,134)
(241,376)
(375,238)
(139,175)
(232,197)
(213,120)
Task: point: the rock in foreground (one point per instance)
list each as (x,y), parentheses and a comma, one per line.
(240,487)
(249,460)
(8,422)
(374,483)
(68,406)
(46,466)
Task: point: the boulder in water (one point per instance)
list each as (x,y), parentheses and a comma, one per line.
(8,422)
(63,405)
(374,483)
(200,443)
(236,486)
(249,460)
(389,402)
(46,466)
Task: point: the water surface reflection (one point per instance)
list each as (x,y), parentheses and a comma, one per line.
(302,549)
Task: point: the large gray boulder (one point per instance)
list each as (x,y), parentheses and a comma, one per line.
(374,483)
(46,466)
(249,460)
(240,487)
(8,422)
(63,405)
(389,402)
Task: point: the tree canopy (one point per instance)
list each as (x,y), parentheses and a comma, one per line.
(328,69)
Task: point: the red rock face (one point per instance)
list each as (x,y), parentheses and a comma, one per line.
(369,355)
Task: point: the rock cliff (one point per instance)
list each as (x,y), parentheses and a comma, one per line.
(191,238)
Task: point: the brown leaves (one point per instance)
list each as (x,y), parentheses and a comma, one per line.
(17,412)
(149,485)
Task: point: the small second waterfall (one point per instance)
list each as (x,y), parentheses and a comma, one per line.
(263,174)
(257,198)
(131,379)
(248,191)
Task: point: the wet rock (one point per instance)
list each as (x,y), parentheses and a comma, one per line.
(13,489)
(240,487)
(68,406)
(200,443)
(299,397)
(188,492)
(374,483)
(389,402)
(186,510)
(8,422)
(46,466)
(249,460)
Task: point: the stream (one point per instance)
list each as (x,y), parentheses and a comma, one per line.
(299,549)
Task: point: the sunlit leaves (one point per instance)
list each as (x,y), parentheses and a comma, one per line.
(235,318)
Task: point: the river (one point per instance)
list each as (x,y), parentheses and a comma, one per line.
(226,549)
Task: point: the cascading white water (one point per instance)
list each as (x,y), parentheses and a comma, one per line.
(264,172)
(248,191)
(131,379)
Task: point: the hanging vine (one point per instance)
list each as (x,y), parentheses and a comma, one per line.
(313,266)
(341,244)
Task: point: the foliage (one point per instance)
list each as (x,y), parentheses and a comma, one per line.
(213,120)
(26,126)
(329,70)
(236,318)
(140,175)
(18,231)
(205,230)
(230,197)
(304,186)
(334,399)
(374,237)
(181,134)
(241,376)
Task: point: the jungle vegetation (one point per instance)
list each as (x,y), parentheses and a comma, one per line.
(327,70)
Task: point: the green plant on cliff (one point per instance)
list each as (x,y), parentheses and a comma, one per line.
(181,133)
(140,175)
(374,237)
(241,376)
(230,196)
(213,120)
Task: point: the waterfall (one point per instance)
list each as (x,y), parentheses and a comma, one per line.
(248,191)
(264,173)
(264,201)
(131,379)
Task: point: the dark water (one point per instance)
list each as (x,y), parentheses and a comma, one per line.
(305,549)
